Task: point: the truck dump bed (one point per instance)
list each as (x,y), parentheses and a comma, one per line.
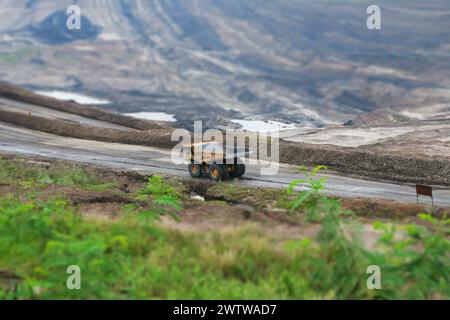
(213,151)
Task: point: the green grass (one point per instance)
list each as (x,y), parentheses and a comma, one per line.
(28,173)
(166,199)
(134,257)
(258,198)
(414,259)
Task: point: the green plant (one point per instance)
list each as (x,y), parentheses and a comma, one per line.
(414,259)
(309,199)
(28,174)
(165,197)
(39,240)
(135,257)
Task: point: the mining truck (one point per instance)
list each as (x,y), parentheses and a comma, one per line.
(211,159)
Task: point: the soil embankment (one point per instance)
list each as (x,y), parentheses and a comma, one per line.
(254,204)
(363,163)
(156,137)
(19,94)
(433,170)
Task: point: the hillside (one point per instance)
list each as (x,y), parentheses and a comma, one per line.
(312,63)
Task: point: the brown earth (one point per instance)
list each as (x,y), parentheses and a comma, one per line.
(20,94)
(248,202)
(224,207)
(434,170)
(156,137)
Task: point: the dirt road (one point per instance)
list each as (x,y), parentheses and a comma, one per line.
(23,141)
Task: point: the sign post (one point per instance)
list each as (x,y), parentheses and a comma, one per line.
(422,190)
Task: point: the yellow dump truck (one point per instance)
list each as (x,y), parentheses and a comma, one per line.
(212,159)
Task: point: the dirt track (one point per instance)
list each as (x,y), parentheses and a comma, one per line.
(149,160)
(16,93)
(67,119)
(64,128)
(345,160)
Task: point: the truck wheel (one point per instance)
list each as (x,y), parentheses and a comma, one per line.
(235,172)
(241,169)
(195,170)
(216,172)
(238,171)
(226,174)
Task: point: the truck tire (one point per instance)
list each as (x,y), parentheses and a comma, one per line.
(226,173)
(195,170)
(241,169)
(216,172)
(235,172)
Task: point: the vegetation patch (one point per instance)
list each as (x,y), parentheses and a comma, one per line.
(256,197)
(29,173)
(136,256)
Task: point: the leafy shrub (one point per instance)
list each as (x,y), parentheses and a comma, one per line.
(415,264)
(164,196)
(133,258)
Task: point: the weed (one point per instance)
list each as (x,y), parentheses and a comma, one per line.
(414,259)
(28,175)
(134,257)
(165,198)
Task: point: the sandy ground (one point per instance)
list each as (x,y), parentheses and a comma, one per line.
(349,137)
(425,139)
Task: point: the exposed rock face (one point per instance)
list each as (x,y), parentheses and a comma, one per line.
(312,62)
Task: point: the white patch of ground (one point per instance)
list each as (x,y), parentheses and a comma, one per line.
(154,116)
(378,70)
(264,126)
(5,37)
(197,197)
(70,96)
(413,115)
(441,110)
(350,137)
(110,37)
(85,48)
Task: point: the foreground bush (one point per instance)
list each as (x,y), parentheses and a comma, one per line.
(133,257)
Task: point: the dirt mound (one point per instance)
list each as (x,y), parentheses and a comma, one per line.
(434,171)
(17,93)
(364,163)
(379,208)
(156,137)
